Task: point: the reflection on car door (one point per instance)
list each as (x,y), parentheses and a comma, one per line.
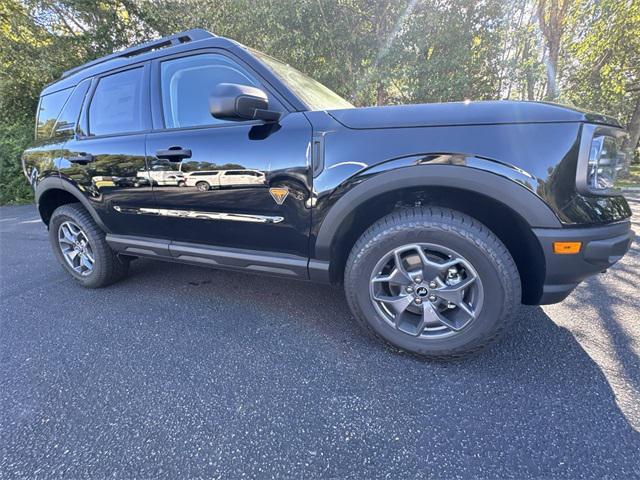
(107,153)
(240,178)
(231,166)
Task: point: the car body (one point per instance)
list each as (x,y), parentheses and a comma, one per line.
(292,187)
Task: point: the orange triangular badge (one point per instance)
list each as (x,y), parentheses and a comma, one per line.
(279,194)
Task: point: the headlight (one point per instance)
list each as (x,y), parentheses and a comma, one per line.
(605,159)
(600,158)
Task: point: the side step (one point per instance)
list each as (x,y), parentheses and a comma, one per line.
(280,264)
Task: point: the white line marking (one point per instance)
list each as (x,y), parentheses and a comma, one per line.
(32,221)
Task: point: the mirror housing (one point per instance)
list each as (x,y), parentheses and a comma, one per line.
(231,101)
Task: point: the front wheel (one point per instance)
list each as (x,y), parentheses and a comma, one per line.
(81,248)
(432,281)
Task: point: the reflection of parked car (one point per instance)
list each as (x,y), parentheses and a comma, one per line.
(130,181)
(203,180)
(163,177)
(239,178)
(141,182)
(208,179)
(99,182)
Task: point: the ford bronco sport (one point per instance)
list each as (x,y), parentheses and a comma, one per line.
(438,219)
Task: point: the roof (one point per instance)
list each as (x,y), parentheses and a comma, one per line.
(187,40)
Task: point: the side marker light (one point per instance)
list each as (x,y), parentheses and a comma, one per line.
(566,248)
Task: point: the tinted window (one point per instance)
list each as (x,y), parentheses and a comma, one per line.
(67,119)
(116,104)
(187,82)
(48,111)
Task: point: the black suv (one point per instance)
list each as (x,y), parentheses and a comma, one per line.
(439,219)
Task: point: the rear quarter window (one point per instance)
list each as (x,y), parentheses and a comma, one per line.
(67,120)
(49,108)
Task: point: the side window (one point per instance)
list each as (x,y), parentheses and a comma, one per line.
(65,125)
(116,104)
(187,82)
(48,111)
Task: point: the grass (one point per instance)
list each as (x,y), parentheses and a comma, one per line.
(632,180)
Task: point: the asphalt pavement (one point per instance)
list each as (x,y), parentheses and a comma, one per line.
(181,372)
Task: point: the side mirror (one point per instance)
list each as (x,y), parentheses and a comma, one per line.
(230,101)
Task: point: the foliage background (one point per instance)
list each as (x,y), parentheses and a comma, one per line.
(584,53)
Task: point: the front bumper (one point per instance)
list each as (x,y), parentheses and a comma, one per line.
(601,248)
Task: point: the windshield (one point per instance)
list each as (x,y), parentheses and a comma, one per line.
(315,95)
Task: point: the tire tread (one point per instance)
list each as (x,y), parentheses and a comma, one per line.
(447,220)
(114,268)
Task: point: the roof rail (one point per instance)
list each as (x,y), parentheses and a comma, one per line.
(168,41)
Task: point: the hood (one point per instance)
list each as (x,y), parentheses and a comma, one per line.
(464,113)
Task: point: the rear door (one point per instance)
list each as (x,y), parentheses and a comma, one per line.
(105,159)
(231,167)
(41,159)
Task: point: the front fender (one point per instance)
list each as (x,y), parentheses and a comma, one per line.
(410,173)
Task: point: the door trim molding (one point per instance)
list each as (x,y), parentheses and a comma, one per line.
(199,215)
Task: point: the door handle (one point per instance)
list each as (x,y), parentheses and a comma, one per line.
(82,158)
(174,154)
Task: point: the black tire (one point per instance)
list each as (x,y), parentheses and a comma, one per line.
(203,186)
(437,226)
(108,267)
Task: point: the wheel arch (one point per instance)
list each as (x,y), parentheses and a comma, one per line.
(505,207)
(52,192)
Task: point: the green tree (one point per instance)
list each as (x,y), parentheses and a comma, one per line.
(603,60)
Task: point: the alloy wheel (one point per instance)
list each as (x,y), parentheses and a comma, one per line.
(75,247)
(426,290)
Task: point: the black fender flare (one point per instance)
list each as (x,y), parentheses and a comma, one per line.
(57,183)
(497,187)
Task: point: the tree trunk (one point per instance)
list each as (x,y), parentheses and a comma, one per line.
(551,17)
(531,93)
(553,46)
(381,95)
(633,127)
(530,80)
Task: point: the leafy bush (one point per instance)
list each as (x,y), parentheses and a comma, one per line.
(14,138)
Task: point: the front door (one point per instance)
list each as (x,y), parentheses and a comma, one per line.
(239,184)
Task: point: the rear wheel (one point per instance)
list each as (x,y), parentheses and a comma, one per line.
(432,281)
(80,246)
